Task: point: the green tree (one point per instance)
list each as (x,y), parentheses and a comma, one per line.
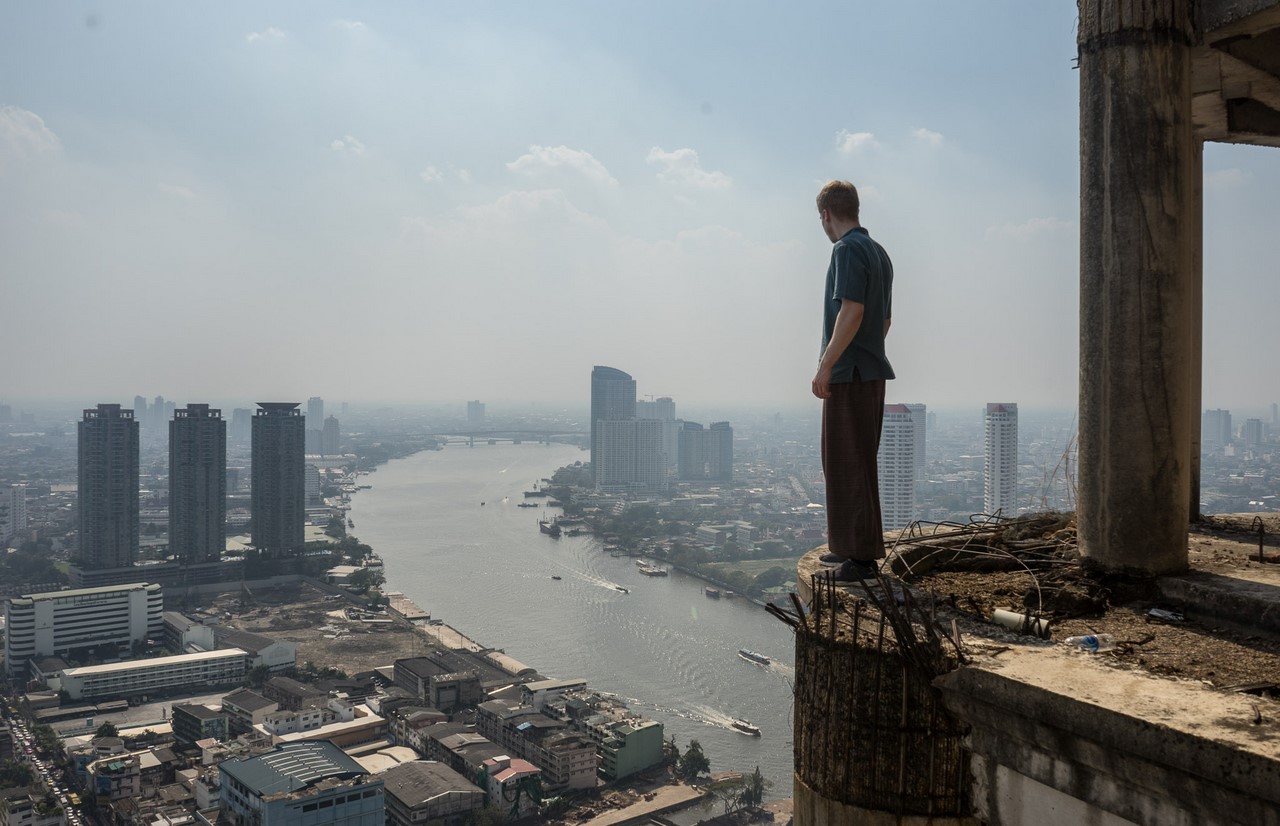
(258,675)
(107,730)
(693,762)
(364,579)
(47,740)
(14,774)
(753,789)
(729,792)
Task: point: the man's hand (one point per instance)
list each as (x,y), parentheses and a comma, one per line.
(822,383)
(848,320)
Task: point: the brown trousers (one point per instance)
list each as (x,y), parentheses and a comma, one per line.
(852,418)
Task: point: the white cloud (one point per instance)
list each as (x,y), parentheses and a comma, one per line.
(347,143)
(541,158)
(464,175)
(430,175)
(850,142)
(1032,228)
(269,33)
(927,136)
(683,167)
(23,134)
(177,190)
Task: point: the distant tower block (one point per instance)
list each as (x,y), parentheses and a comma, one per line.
(279,484)
(1000,470)
(475,412)
(108,487)
(897,466)
(197,484)
(613,398)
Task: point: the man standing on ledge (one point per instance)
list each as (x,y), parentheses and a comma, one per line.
(857,308)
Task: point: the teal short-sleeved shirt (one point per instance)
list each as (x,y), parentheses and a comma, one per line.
(860,271)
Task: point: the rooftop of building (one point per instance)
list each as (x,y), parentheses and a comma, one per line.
(198,710)
(154,662)
(248,700)
(73,593)
(417,783)
(292,766)
(246,640)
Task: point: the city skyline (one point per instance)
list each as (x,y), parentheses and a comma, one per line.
(461,185)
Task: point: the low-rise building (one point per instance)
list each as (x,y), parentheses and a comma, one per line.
(246,709)
(25,806)
(276,655)
(425,791)
(192,722)
(568,760)
(114,778)
(437,685)
(300,784)
(157,676)
(280,723)
(293,695)
(515,785)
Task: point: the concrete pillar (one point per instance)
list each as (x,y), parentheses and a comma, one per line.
(1195,218)
(1136,286)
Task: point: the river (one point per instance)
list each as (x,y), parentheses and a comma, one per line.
(667,649)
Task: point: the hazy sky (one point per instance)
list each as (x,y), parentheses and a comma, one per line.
(430,201)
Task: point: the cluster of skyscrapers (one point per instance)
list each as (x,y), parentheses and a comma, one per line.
(637,446)
(901,460)
(108,440)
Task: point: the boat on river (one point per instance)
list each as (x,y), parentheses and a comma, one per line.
(653,570)
(751,656)
(746,728)
(549,528)
(714,593)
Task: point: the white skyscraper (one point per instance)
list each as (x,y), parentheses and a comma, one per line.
(919,417)
(1001,466)
(663,410)
(13,513)
(897,461)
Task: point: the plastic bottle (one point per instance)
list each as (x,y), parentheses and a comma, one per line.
(1093,643)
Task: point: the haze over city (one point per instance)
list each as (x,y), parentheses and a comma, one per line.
(421,202)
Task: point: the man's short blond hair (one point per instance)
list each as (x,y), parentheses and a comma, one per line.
(840,198)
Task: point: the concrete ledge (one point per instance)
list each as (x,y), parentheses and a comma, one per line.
(1248,598)
(1052,730)
(811,809)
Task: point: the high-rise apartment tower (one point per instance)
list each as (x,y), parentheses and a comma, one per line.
(278,499)
(108,487)
(1000,476)
(919,418)
(197,484)
(897,465)
(613,398)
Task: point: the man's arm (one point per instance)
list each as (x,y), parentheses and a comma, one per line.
(848,320)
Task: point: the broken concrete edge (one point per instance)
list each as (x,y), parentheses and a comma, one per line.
(1235,600)
(1040,707)
(812,809)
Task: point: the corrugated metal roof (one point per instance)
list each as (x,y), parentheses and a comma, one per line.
(292,766)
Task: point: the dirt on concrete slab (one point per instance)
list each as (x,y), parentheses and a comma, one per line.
(1033,565)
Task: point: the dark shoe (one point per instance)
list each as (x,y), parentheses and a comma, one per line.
(853,570)
(832,560)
